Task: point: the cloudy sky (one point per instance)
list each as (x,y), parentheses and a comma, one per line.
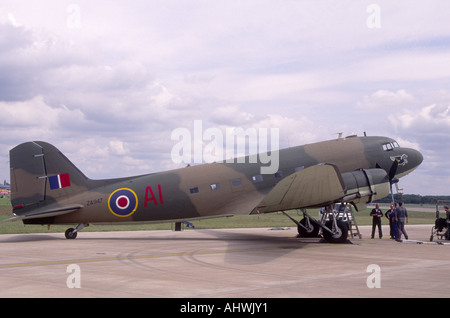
(107,82)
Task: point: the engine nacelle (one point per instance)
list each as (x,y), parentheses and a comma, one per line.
(365,185)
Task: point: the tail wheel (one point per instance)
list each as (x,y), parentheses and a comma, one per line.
(71,234)
(339,234)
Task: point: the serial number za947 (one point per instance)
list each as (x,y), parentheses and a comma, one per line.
(94,201)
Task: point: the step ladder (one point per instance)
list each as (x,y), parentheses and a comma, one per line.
(352,225)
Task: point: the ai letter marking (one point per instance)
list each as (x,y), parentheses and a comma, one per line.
(150,196)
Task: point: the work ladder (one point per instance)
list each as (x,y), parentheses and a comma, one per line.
(352,225)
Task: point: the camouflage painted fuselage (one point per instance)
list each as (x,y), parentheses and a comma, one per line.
(48,189)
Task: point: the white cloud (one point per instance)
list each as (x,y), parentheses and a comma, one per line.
(37,114)
(432,118)
(385,99)
(293,131)
(231,115)
(117,147)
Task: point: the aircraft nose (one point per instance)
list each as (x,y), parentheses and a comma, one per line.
(408,161)
(415,157)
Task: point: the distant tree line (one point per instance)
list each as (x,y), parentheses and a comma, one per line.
(416,199)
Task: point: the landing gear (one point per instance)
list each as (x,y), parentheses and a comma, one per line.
(333,230)
(308,228)
(71,233)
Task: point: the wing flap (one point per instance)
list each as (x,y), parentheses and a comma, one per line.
(315,186)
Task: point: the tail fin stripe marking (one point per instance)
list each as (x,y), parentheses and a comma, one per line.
(59,181)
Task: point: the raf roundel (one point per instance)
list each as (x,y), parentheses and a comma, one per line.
(123,202)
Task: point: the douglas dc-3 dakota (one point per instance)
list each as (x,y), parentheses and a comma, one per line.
(46,188)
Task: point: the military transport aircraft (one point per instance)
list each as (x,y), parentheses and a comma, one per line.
(46,188)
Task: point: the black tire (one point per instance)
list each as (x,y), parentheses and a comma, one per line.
(447,234)
(440,224)
(71,234)
(314,232)
(340,237)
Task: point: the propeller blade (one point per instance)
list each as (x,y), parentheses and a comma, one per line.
(392,194)
(393,170)
(392,178)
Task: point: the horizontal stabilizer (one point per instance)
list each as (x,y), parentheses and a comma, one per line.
(312,187)
(44,213)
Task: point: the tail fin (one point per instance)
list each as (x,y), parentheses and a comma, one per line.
(40,172)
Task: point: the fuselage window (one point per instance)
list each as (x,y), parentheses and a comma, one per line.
(236,182)
(193,190)
(215,186)
(279,174)
(390,146)
(257,178)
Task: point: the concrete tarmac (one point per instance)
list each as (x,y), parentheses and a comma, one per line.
(225,263)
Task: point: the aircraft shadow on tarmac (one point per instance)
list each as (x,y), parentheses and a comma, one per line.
(28,238)
(241,248)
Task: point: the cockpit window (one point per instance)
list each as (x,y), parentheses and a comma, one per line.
(388,146)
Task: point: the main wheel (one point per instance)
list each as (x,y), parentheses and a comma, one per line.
(71,234)
(341,232)
(312,231)
(447,234)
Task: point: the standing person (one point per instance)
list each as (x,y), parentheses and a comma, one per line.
(390,214)
(401,215)
(376,220)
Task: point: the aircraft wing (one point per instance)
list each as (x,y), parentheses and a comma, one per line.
(322,185)
(44,213)
(315,186)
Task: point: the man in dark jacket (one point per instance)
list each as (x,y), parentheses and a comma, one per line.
(376,220)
